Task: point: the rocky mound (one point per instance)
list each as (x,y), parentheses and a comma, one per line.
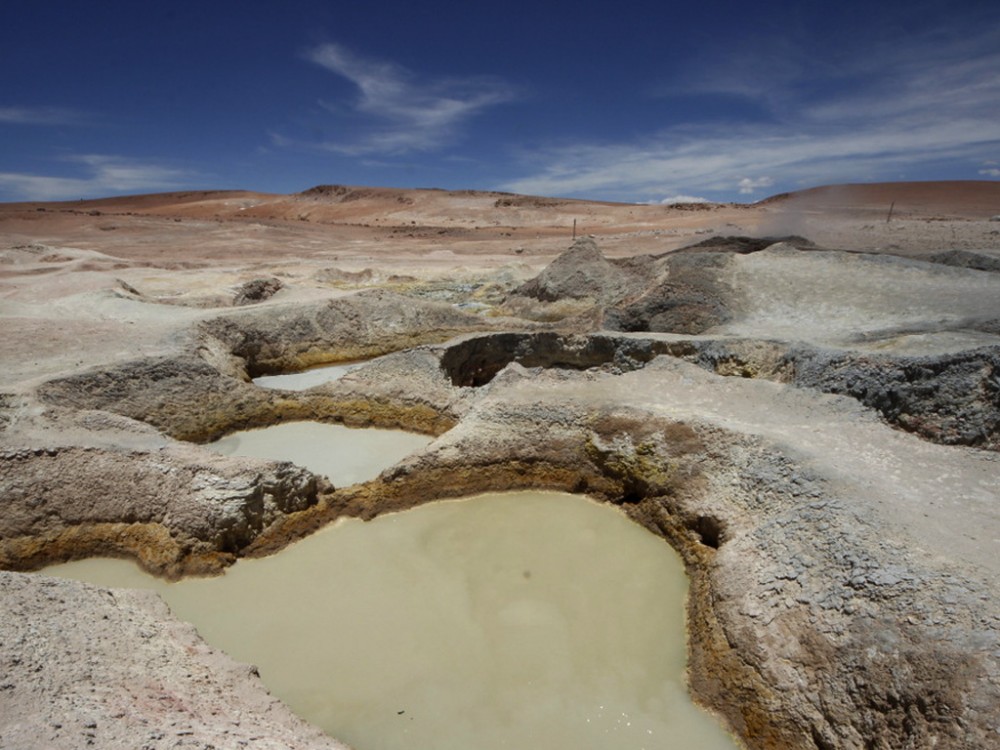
(679,292)
(813,295)
(363,325)
(690,299)
(582,272)
(256,290)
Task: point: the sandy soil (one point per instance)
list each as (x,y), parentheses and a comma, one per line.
(836,503)
(60,262)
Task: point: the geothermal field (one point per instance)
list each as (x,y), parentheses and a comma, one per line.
(798,399)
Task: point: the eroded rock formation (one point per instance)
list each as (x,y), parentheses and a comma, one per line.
(809,482)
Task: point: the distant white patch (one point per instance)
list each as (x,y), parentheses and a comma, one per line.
(991,172)
(748,185)
(675,199)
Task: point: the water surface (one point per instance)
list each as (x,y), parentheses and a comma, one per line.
(345,455)
(516,620)
(300,381)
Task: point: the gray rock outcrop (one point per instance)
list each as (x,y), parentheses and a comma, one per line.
(256,290)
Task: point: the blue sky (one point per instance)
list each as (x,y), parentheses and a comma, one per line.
(630,101)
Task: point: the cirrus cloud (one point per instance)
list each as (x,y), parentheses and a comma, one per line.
(21,115)
(400,112)
(903,107)
(103,175)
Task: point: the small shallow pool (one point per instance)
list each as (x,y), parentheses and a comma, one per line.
(300,381)
(345,455)
(514,620)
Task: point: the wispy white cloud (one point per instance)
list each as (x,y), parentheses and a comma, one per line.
(719,160)
(750,185)
(400,112)
(15,115)
(990,172)
(103,175)
(931,100)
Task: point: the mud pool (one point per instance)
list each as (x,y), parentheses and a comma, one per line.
(300,381)
(523,619)
(344,455)
(519,619)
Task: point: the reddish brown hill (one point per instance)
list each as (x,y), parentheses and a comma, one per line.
(970,199)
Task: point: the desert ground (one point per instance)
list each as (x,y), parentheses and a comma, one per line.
(800,395)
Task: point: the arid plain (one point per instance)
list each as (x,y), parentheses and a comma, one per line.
(802,396)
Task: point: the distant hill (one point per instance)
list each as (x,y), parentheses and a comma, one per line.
(941,199)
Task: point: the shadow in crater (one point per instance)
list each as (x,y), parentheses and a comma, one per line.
(476,361)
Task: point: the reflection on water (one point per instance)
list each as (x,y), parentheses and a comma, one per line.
(517,620)
(300,381)
(344,455)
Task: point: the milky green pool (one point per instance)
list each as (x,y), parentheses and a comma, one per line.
(344,455)
(518,620)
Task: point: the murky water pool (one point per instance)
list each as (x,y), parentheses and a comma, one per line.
(343,454)
(300,381)
(524,619)
(514,620)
